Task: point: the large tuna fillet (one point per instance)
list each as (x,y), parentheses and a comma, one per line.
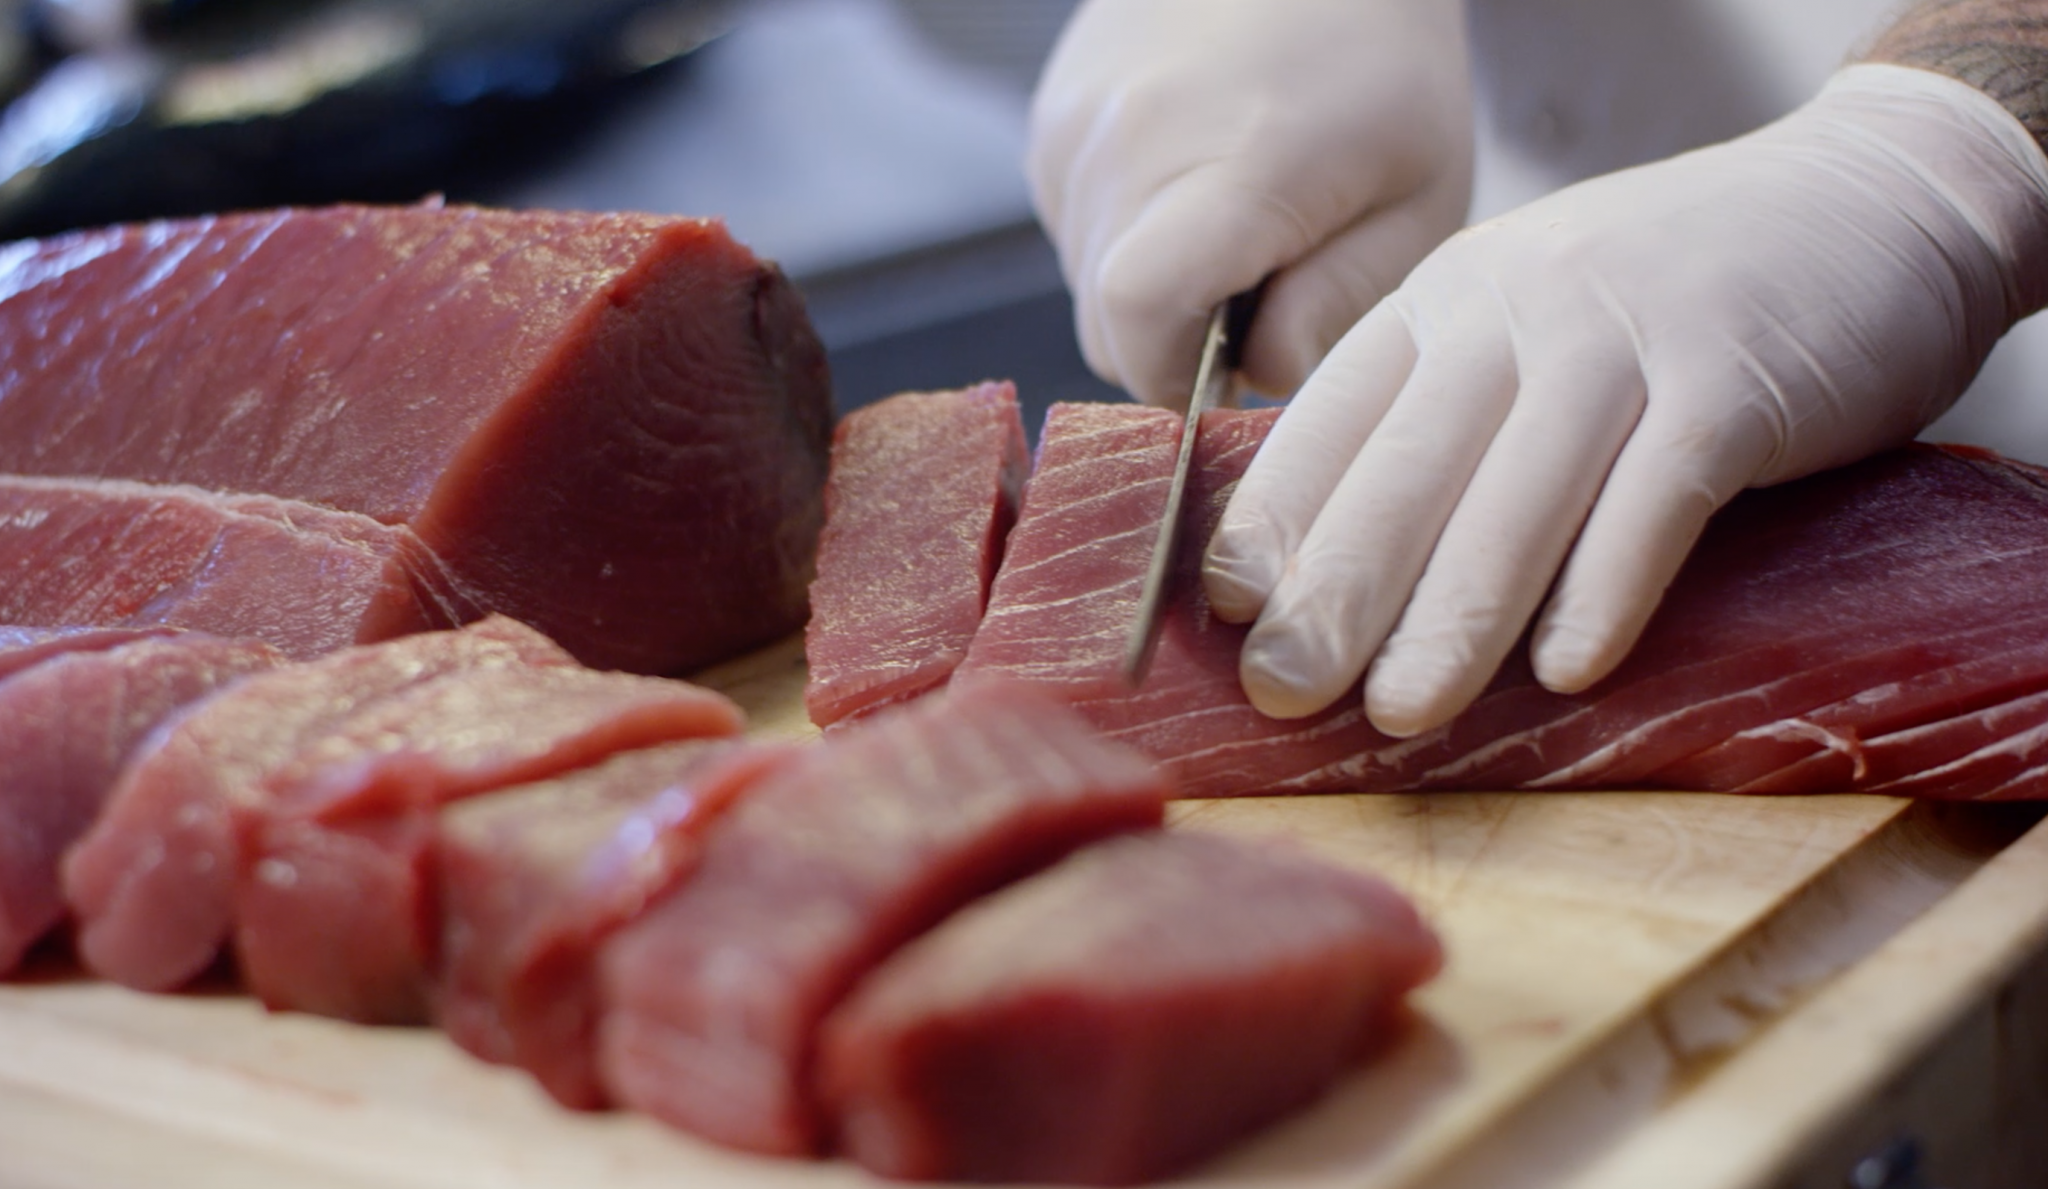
(923,490)
(67,726)
(532,880)
(152,883)
(1875,628)
(306,579)
(613,427)
(1137,1007)
(826,865)
(334,911)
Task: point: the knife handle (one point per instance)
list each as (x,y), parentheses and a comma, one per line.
(1238,311)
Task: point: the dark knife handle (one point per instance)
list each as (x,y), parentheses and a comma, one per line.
(1238,313)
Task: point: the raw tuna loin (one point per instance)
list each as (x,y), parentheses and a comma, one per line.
(827,864)
(896,602)
(1135,1008)
(1092,509)
(152,882)
(1875,628)
(67,726)
(305,579)
(335,911)
(612,427)
(534,878)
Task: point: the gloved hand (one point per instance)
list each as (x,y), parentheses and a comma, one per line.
(1611,364)
(1181,150)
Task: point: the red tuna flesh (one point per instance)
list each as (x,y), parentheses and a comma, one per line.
(923,490)
(1878,598)
(307,580)
(152,883)
(1132,1010)
(613,427)
(66,728)
(827,864)
(533,878)
(1092,508)
(25,647)
(334,910)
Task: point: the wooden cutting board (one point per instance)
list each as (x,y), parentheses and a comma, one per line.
(1653,988)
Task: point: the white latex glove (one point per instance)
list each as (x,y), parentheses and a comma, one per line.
(1609,365)
(1182,150)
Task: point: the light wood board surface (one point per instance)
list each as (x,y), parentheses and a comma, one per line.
(1615,959)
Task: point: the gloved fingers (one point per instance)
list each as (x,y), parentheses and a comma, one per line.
(1346,585)
(1310,304)
(1300,463)
(1507,539)
(1059,121)
(1149,298)
(1082,96)
(1678,468)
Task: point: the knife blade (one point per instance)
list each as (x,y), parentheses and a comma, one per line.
(1222,348)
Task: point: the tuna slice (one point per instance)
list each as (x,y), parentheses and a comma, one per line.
(532,879)
(152,883)
(66,727)
(828,863)
(895,602)
(1091,511)
(613,427)
(305,579)
(1130,1011)
(1813,620)
(334,910)
(25,647)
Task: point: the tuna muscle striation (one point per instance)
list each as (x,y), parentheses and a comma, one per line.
(923,491)
(67,726)
(1133,1009)
(613,427)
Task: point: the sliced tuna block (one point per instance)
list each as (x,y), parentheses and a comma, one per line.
(308,580)
(1875,598)
(613,427)
(25,647)
(152,883)
(923,490)
(1139,1006)
(66,728)
(826,865)
(533,878)
(334,910)
(1090,518)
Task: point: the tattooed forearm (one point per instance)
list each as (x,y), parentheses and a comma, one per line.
(1998,46)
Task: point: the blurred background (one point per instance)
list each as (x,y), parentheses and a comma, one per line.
(873,147)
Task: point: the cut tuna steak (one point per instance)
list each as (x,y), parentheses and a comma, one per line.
(334,911)
(305,579)
(533,878)
(826,865)
(613,427)
(66,728)
(152,883)
(1881,597)
(1136,1008)
(1090,518)
(923,490)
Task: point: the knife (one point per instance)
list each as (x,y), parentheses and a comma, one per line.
(1222,349)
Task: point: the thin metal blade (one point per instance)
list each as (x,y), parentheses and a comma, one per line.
(1212,380)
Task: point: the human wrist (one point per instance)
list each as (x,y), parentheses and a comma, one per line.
(1968,153)
(2000,47)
